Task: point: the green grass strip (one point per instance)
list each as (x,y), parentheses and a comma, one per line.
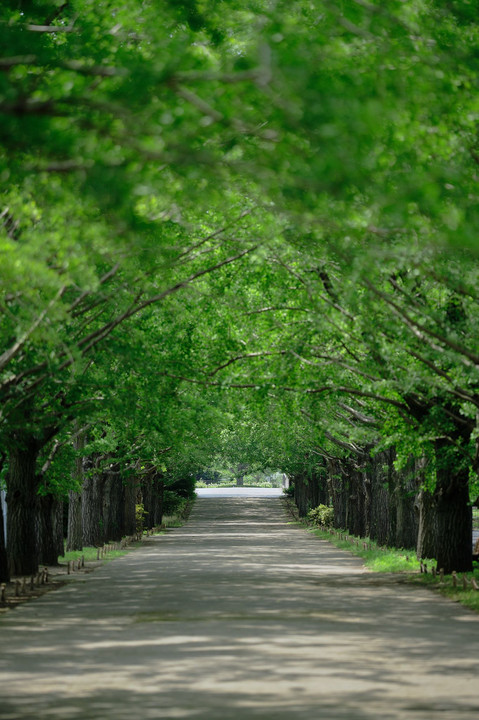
(376,558)
(90,554)
(392,560)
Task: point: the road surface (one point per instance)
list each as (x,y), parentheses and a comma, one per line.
(239,615)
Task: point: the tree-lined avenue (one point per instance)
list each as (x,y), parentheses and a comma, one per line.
(238,614)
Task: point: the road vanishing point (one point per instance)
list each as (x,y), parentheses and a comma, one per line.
(239,614)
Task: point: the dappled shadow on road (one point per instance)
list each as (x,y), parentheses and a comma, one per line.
(238,615)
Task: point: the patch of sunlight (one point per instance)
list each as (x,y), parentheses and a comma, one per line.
(178,640)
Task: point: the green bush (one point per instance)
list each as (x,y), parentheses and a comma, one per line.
(173,503)
(321,515)
(140,514)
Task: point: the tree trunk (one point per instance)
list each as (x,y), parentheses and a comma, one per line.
(322,488)
(241,469)
(376,494)
(338,493)
(314,489)
(425,509)
(129,507)
(22,499)
(454,514)
(365,479)
(113,505)
(92,506)
(48,534)
(427,525)
(60,527)
(146,500)
(4,574)
(356,515)
(161,499)
(301,495)
(403,487)
(406,530)
(156,500)
(75,529)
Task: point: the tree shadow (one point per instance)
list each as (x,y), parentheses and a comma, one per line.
(239,615)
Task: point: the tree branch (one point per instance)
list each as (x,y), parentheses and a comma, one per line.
(245,356)
(214,234)
(360,393)
(9,354)
(359,415)
(111,273)
(49,460)
(273,308)
(190,279)
(50,28)
(420,330)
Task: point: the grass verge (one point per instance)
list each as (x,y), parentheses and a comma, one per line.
(90,554)
(467,597)
(391,560)
(376,557)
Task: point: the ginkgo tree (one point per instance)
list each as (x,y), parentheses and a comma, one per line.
(317,163)
(380,355)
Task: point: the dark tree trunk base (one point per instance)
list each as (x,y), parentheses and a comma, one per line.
(454,514)
(4,574)
(49,517)
(22,502)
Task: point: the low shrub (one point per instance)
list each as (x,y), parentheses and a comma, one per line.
(322,516)
(140,515)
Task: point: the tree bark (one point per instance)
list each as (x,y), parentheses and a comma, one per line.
(338,493)
(48,532)
(427,525)
(22,499)
(60,527)
(356,515)
(154,500)
(366,478)
(403,486)
(160,487)
(454,513)
(75,529)
(241,469)
(322,488)
(301,495)
(92,506)
(146,500)
(113,505)
(129,507)
(4,573)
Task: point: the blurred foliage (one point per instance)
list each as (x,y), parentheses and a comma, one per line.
(244,231)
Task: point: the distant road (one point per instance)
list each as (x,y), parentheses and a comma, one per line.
(239,492)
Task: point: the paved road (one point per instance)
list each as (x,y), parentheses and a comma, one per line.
(238,616)
(239,492)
